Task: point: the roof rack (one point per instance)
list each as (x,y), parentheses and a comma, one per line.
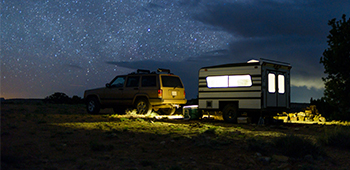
(143,71)
(163,70)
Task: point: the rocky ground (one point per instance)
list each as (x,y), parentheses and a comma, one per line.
(49,136)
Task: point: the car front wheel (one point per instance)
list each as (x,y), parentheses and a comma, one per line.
(93,106)
(143,106)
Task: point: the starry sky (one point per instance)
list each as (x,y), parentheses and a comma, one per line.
(69,46)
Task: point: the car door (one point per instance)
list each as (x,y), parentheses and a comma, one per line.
(132,87)
(113,93)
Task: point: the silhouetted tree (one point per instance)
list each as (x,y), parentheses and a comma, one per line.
(77,100)
(336,61)
(58,98)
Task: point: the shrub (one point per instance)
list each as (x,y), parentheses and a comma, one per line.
(257,145)
(62,98)
(297,147)
(337,137)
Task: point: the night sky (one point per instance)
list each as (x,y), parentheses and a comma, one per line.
(68,46)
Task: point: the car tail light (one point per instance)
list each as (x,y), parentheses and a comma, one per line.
(160,93)
(184,93)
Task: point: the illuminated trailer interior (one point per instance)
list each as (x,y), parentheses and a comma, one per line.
(258,87)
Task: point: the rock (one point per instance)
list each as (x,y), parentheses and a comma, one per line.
(264,159)
(301,114)
(285,166)
(280,158)
(322,119)
(162,142)
(309,158)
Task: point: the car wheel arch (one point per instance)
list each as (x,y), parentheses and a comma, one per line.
(93,96)
(140,96)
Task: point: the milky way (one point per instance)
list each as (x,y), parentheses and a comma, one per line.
(50,46)
(68,46)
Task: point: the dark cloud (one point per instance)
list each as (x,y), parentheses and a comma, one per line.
(268,18)
(291,31)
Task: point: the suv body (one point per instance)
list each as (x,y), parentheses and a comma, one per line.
(161,91)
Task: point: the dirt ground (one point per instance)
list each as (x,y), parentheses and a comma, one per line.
(49,136)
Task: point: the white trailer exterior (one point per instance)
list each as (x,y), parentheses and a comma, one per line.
(254,87)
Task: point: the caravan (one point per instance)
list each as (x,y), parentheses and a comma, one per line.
(256,87)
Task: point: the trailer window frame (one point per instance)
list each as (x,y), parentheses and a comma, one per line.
(229,81)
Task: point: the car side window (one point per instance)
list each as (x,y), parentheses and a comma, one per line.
(148,81)
(118,82)
(133,81)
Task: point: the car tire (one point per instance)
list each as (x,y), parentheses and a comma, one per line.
(119,110)
(93,106)
(230,113)
(167,111)
(143,107)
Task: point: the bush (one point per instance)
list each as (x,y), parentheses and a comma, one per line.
(297,147)
(62,98)
(337,137)
(257,145)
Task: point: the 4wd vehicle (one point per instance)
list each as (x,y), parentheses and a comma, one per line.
(144,90)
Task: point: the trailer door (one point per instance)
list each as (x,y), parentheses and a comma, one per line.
(276,89)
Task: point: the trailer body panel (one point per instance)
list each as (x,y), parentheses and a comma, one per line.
(261,85)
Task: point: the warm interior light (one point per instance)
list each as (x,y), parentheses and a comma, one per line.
(217,81)
(240,81)
(229,81)
(271,83)
(281,86)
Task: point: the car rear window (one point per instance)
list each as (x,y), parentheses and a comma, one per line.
(171,81)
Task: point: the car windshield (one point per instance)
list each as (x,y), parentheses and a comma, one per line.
(171,81)
(118,82)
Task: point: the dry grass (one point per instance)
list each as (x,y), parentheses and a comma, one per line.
(48,136)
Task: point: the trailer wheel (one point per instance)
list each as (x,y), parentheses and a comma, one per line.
(230,113)
(167,111)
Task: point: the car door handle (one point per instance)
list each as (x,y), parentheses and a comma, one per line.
(121,89)
(136,88)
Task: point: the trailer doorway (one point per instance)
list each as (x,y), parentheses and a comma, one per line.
(276,89)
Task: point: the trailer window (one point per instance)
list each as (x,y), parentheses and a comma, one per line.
(239,81)
(217,81)
(229,81)
(271,83)
(281,84)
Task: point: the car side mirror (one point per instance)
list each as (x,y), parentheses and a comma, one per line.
(108,85)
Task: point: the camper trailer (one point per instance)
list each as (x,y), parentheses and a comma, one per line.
(256,88)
